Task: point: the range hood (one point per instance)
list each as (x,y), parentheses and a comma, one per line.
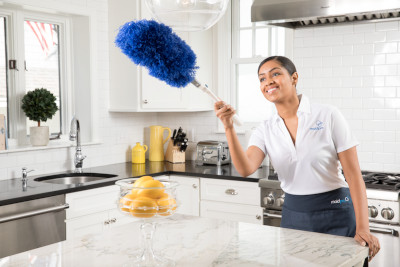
(301,13)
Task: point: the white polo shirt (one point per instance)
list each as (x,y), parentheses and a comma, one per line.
(312,165)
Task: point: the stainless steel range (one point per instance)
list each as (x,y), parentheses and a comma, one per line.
(383,190)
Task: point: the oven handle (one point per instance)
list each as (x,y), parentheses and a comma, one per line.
(384,231)
(33,213)
(276,216)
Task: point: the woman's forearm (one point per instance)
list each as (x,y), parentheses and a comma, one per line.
(239,157)
(359,197)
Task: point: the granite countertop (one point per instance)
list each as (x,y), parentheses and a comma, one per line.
(11,191)
(196,241)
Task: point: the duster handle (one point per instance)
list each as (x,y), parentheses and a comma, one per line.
(236,119)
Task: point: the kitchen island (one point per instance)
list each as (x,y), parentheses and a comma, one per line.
(196,241)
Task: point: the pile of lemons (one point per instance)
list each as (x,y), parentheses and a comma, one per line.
(148,198)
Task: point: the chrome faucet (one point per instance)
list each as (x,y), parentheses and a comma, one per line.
(25,178)
(74,135)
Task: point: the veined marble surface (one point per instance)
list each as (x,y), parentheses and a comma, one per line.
(196,241)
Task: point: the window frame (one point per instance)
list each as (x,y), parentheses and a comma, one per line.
(15,49)
(230,90)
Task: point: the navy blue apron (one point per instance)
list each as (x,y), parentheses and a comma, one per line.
(330,213)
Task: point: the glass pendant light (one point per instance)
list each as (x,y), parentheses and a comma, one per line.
(188,15)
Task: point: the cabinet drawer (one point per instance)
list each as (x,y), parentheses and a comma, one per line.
(230,191)
(92,201)
(230,211)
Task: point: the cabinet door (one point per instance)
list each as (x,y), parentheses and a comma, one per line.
(231,211)
(230,191)
(188,195)
(90,224)
(91,201)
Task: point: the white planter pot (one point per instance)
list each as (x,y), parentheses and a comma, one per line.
(39,135)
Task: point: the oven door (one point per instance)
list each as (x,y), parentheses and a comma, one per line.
(272,217)
(389,240)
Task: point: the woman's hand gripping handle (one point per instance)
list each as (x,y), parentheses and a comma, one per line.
(235,118)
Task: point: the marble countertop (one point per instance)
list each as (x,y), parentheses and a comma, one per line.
(11,191)
(196,241)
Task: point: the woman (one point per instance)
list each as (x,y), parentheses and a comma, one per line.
(305,143)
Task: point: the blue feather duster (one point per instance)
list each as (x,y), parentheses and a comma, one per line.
(155,46)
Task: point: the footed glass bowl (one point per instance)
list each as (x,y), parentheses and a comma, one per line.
(150,200)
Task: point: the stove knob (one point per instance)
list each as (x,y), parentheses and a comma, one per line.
(387,213)
(372,211)
(280,200)
(269,200)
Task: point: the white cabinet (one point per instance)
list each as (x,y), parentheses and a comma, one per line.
(188,194)
(232,200)
(93,211)
(133,90)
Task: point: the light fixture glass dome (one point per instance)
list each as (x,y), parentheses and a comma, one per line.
(188,15)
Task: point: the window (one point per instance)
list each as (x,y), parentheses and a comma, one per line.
(32,55)
(251,43)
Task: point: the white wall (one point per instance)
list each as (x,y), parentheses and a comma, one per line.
(117,131)
(356,67)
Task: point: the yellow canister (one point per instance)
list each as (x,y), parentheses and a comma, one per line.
(139,153)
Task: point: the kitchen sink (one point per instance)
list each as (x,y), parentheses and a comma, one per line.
(74,178)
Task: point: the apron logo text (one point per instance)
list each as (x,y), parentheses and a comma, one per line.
(340,201)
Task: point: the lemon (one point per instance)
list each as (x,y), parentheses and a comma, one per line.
(125,202)
(152,189)
(166,205)
(143,207)
(139,182)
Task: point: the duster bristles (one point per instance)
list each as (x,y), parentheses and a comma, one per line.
(155,46)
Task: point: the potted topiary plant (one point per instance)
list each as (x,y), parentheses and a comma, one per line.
(39,105)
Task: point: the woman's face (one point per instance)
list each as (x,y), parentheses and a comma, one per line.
(275,81)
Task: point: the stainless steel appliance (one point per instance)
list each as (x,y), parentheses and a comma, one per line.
(213,153)
(383,190)
(32,224)
(302,13)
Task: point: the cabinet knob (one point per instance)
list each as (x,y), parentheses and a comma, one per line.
(107,222)
(231,192)
(258,217)
(145,101)
(113,220)
(194,186)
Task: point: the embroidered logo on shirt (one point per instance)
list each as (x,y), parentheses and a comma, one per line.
(340,201)
(319,126)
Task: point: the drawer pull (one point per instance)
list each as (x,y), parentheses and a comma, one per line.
(194,186)
(258,217)
(231,192)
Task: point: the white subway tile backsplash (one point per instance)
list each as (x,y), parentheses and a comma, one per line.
(356,60)
(375,37)
(393,36)
(392,81)
(372,124)
(363,49)
(387,26)
(373,103)
(321,51)
(384,114)
(342,92)
(387,158)
(352,103)
(374,59)
(391,147)
(343,50)
(332,40)
(393,103)
(352,81)
(392,125)
(387,136)
(323,30)
(372,146)
(312,62)
(352,38)
(386,47)
(385,70)
(373,81)
(363,92)
(342,71)
(363,71)
(343,29)
(384,92)
(393,58)
(304,32)
(361,27)
(363,114)
(331,61)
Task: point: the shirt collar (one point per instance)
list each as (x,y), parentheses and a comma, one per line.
(304,107)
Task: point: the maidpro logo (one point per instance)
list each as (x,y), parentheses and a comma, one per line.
(340,201)
(319,126)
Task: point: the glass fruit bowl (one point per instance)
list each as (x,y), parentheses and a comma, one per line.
(150,200)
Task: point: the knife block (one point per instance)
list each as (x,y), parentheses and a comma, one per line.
(173,154)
